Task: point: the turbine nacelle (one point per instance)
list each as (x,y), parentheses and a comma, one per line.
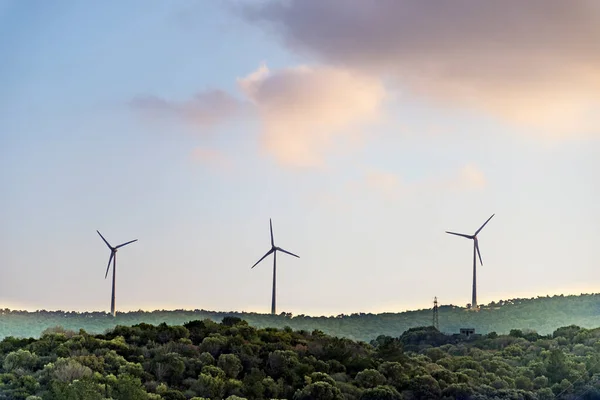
(273,248)
(473,237)
(113,251)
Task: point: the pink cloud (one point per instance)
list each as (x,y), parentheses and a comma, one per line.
(385,182)
(532,62)
(205,109)
(390,185)
(305,109)
(471,177)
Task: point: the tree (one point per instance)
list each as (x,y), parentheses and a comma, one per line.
(388,348)
(210,383)
(381,393)
(68,370)
(128,387)
(232,321)
(213,344)
(19,359)
(281,363)
(458,391)
(425,387)
(206,359)
(556,367)
(567,332)
(252,384)
(168,367)
(230,364)
(320,377)
(523,382)
(78,389)
(540,382)
(319,391)
(370,378)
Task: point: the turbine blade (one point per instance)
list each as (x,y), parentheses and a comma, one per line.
(460,234)
(478,253)
(125,244)
(263,257)
(287,252)
(105,241)
(112,253)
(271,226)
(479,230)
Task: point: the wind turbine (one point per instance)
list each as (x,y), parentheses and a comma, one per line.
(113,258)
(476,253)
(273,250)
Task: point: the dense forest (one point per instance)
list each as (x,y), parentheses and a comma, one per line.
(542,314)
(232,360)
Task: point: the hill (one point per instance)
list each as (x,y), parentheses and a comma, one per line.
(542,314)
(234,361)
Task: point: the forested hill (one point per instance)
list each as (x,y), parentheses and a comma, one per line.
(234,361)
(542,314)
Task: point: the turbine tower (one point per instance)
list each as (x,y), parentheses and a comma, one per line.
(476,253)
(113,258)
(273,250)
(436,320)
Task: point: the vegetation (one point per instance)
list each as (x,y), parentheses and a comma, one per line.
(543,314)
(232,360)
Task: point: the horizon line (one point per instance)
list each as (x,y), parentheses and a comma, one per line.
(2,310)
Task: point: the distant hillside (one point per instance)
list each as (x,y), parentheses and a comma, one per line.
(542,314)
(233,361)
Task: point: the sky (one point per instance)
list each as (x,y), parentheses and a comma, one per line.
(365,130)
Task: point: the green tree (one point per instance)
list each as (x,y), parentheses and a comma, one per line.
(319,391)
(540,382)
(20,359)
(77,390)
(320,377)
(168,367)
(252,384)
(425,387)
(370,378)
(230,364)
(281,363)
(556,367)
(523,382)
(68,370)
(128,387)
(210,383)
(213,344)
(458,391)
(381,393)
(206,359)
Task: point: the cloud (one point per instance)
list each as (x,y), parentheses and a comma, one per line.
(304,109)
(390,185)
(535,62)
(467,177)
(384,182)
(205,109)
(471,177)
(212,158)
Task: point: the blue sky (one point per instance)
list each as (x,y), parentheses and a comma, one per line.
(187,125)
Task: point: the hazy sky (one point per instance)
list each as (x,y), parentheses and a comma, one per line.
(364,129)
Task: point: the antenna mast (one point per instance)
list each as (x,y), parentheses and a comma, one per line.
(436,321)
